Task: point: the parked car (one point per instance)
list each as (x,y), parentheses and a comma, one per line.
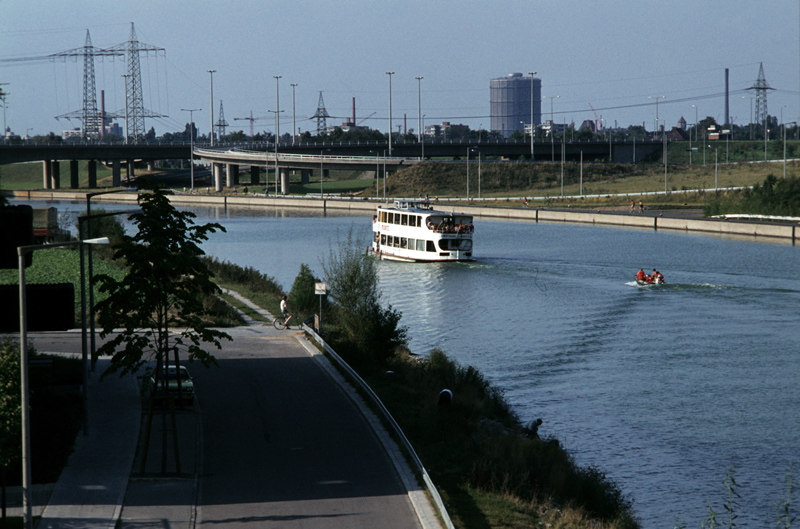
(186,384)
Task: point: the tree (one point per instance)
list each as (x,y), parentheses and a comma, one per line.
(370,332)
(10,409)
(162,290)
(303,297)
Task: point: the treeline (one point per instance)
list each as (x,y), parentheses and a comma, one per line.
(779,197)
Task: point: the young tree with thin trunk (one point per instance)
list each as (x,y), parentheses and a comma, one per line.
(156,310)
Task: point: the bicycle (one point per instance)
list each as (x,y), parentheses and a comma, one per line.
(279,322)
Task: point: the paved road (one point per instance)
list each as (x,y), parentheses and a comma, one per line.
(283,446)
(272,441)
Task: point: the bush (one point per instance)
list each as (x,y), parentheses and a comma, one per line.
(226,271)
(368,333)
(303,297)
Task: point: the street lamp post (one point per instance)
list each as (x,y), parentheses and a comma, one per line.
(657,98)
(126,76)
(690,134)
(784,146)
(468,149)
(211,72)
(552,144)
(751,114)
(277,127)
(294,124)
(22,251)
(533,124)
(419,109)
(479,175)
(390,111)
(191,141)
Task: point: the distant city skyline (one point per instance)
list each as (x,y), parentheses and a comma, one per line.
(618,58)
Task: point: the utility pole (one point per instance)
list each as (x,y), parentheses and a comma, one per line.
(390,112)
(294,124)
(212,105)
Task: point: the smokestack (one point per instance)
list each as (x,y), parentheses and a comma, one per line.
(354,111)
(727,100)
(102,113)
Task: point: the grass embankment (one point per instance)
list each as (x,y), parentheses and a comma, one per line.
(61,265)
(29,175)
(501,180)
(488,471)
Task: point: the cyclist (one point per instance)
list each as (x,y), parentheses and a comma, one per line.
(285,311)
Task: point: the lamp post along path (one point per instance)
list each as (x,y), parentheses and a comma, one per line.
(22,251)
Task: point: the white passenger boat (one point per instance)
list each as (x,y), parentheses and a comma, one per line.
(414,231)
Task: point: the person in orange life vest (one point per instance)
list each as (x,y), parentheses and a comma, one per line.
(640,275)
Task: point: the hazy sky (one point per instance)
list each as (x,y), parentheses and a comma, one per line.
(612,55)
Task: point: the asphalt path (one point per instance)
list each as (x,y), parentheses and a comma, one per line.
(283,446)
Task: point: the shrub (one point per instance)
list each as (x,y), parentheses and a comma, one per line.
(226,271)
(303,297)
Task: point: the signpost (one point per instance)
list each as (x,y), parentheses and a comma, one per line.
(320,289)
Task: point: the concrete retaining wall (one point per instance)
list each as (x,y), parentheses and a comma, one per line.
(774,230)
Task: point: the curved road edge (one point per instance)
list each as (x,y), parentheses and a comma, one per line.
(419,499)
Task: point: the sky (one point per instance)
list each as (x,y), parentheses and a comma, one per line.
(617,57)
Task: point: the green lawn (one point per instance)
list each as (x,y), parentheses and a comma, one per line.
(59,265)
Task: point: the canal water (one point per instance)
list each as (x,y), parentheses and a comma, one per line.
(662,388)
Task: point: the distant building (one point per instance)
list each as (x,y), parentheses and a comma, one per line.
(677,134)
(510,102)
(447,130)
(682,124)
(73,133)
(114,129)
(589,125)
(554,127)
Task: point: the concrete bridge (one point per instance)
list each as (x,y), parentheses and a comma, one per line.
(232,159)
(307,157)
(112,155)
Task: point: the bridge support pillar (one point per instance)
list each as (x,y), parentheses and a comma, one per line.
(56,177)
(116,172)
(74,180)
(231,174)
(305,175)
(151,165)
(131,170)
(284,172)
(47,170)
(216,171)
(91,167)
(255,175)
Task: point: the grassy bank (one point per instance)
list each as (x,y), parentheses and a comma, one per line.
(516,179)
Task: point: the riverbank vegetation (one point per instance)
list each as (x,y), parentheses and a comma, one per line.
(57,412)
(772,197)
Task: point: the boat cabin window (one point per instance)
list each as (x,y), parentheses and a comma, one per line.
(383,239)
(455,244)
(404,219)
(429,246)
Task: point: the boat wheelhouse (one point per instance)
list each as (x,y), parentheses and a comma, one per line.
(414,231)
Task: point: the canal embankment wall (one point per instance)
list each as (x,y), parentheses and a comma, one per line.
(649,220)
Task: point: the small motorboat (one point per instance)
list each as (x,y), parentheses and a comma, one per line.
(650,280)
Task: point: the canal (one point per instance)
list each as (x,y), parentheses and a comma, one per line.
(662,388)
